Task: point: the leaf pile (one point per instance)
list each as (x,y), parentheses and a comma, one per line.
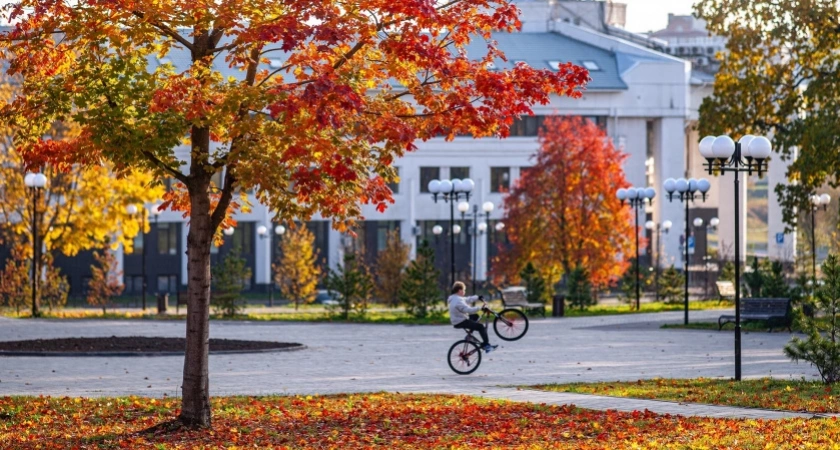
(383,421)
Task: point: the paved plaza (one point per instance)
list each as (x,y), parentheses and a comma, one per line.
(398,358)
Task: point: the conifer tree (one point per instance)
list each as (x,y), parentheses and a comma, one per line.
(821,346)
(420,291)
(534,284)
(228,279)
(390,268)
(579,289)
(353,284)
(671,285)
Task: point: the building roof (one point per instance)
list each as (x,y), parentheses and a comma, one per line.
(541,50)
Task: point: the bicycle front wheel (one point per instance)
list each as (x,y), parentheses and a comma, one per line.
(510,324)
(464,357)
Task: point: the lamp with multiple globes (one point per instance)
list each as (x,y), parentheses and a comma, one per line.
(452,191)
(659,228)
(636,198)
(816,201)
(686,191)
(750,154)
(477,229)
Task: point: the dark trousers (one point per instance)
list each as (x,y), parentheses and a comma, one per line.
(475,326)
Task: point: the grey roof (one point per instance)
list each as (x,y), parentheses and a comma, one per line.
(537,49)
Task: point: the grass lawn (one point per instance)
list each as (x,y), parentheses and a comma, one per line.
(387,421)
(377,314)
(745,326)
(766,393)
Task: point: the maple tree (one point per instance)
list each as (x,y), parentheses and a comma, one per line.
(779,77)
(350,87)
(104,282)
(558,217)
(297,271)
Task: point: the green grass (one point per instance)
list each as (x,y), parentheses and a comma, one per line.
(766,393)
(651,307)
(746,326)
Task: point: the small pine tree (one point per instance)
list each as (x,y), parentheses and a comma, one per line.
(227,282)
(104,282)
(579,293)
(419,291)
(353,284)
(755,279)
(727,272)
(296,270)
(672,285)
(390,268)
(821,347)
(534,284)
(775,283)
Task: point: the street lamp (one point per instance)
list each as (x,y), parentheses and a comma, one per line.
(279,231)
(35,182)
(477,229)
(659,228)
(747,155)
(816,201)
(685,190)
(451,191)
(228,231)
(636,198)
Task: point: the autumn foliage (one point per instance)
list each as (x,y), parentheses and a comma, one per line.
(104,283)
(390,421)
(563,212)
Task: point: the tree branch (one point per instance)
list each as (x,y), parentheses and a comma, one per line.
(167,31)
(161,165)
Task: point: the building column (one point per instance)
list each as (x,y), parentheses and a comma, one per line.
(726,213)
(185,229)
(262,250)
(776,175)
(335,247)
(669,162)
(407,226)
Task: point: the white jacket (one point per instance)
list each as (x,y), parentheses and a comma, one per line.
(460,309)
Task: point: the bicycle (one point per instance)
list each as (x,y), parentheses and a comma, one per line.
(465,355)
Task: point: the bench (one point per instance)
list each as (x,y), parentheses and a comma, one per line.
(774,311)
(726,289)
(514,297)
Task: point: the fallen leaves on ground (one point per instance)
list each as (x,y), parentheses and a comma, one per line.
(392,421)
(766,393)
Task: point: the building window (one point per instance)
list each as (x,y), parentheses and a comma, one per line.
(167,284)
(459,173)
(216,180)
(382,229)
(395,185)
(133,284)
(428,174)
(591,65)
(243,237)
(499,179)
(526,126)
(167,236)
(138,243)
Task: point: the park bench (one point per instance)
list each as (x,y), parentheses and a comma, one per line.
(514,297)
(774,311)
(726,289)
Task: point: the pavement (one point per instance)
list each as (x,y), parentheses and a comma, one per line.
(346,358)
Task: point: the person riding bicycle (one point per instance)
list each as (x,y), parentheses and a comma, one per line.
(463,315)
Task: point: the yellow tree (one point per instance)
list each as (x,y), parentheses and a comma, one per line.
(296,270)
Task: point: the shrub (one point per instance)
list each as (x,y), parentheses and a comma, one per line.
(671,286)
(821,346)
(579,292)
(419,291)
(352,283)
(228,279)
(534,284)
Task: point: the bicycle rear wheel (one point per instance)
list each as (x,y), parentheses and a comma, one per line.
(464,357)
(510,324)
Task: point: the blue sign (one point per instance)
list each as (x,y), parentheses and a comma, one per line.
(691,245)
(780,238)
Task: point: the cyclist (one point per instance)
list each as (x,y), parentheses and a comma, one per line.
(463,315)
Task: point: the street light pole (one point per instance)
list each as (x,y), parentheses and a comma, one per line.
(35,182)
(658,228)
(723,155)
(636,198)
(477,230)
(451,191)
(684,190)
(279,230)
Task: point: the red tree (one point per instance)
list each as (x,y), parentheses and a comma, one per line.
(563,211)
(327,95)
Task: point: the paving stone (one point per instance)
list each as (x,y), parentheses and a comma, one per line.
(403,358)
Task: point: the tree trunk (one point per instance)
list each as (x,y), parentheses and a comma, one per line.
(195,403)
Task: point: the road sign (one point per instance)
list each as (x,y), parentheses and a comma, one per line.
(780,238)
(691,245)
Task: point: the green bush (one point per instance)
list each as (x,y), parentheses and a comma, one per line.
(227,282)
(671,286)
(579,292)
(535,289)
(419,290)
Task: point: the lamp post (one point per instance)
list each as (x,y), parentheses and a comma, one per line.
(659,228)
(636,198)
(477,229)
(35,182)
(685,190)
(748,155)
(816,201)
(279,231)
(451,191)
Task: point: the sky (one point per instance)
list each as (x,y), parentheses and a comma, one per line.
(652,15)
